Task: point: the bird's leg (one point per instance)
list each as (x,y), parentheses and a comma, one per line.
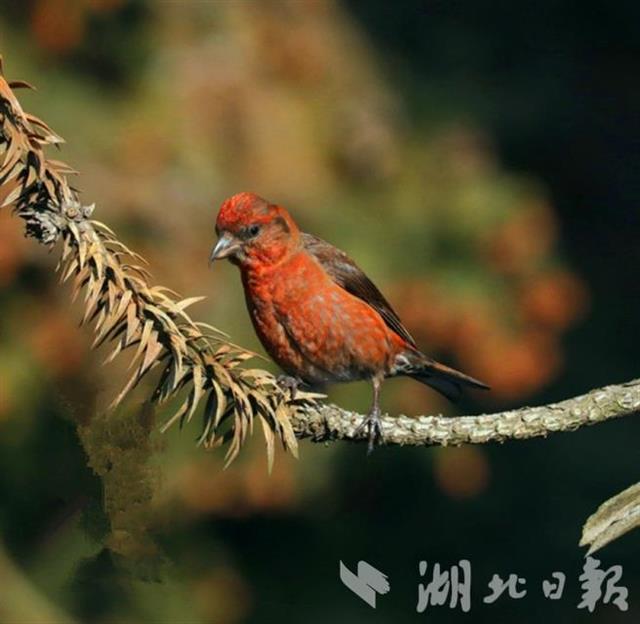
(287,382)
(372,423)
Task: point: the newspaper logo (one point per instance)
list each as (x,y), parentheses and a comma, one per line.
(367,583)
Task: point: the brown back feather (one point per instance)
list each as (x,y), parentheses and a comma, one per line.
(348,275)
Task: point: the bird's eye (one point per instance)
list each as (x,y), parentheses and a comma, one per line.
(253,230)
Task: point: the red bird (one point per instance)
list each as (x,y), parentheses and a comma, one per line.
(316,313)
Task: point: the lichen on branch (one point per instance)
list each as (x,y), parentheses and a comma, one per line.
(329,422)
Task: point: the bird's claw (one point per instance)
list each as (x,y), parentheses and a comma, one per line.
(289,383)
(372,425)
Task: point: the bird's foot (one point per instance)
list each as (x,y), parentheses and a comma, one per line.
(372,425)
(290,384)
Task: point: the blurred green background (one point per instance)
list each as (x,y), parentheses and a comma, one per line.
(480,160)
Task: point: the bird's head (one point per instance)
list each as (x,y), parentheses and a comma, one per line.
(251,231)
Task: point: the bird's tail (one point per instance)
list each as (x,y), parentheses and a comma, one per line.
(446,380)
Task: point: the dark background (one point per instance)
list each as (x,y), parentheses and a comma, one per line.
(554,83)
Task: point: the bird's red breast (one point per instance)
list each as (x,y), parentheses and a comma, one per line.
(312,327)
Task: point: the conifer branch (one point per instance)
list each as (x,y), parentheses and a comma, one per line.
(125,310)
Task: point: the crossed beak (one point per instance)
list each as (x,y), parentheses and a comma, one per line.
(226,246)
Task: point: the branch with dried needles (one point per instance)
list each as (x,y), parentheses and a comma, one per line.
(197,360)
(194,360)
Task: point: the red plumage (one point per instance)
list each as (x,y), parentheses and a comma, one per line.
(316,313)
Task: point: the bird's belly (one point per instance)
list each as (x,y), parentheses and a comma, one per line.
(319,332)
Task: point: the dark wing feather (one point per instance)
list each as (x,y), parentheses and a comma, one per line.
(348,275)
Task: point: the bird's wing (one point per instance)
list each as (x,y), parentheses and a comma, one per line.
(348,275)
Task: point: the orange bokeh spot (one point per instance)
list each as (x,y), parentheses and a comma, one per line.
(241,490)
(12,249)
(222,595)
(57,344)
(429,315)
(520,242)
(104,6)
(514,365)
(462,472)
(58,25)
(554,300)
